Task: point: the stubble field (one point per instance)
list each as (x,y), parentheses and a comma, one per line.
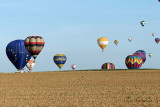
(124,88)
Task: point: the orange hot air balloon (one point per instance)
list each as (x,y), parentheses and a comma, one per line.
(102,42)
(116,42)
(30,65)
(153,34)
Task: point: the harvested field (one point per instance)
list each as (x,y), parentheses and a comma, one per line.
(124,88)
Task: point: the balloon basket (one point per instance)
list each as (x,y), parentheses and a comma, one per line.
(20,71)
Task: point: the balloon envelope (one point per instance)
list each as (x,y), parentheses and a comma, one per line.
(116,42)
(141,51)
(157,40)
(153,34)
(30,64)
(143,56)
(150,55)
(130,39)
(133,62)
(73,66)
(17,54)
(60,60)
(102,42)
(108,66)
(34,45)
(142,23)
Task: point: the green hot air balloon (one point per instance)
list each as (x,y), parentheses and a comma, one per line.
(60,60)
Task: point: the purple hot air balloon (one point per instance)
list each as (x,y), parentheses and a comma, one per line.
(157,40)
(159,0)
(142,51)
(143,56)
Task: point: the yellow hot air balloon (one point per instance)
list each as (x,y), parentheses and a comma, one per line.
(153,34)
(102,42)
(116,42)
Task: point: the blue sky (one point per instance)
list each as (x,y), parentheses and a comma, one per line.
(72,27)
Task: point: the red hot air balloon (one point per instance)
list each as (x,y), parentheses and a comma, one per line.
(34,45)
(73,66)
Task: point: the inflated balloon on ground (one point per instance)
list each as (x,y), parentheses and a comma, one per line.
(108,65)
(17,54)
(133,62)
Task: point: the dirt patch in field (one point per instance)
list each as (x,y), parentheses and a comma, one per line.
(81,89)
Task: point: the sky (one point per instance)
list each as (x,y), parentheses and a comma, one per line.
(72,27)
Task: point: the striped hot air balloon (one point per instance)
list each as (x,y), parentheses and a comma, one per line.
(30,65)
(102,42)
(133,62)
(60,60)
(34,45)
(108,65)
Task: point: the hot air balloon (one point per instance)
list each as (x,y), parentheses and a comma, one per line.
(30,65)
(150,55)
(153,34)
(102,42)
(116,42)
(143,56)
(159,0)
(59,60)
(130,39)
(142,23)
(133,62)
(73,66)
(157,40)
(34,45)
(142,51)
(17,54)
(108,66)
